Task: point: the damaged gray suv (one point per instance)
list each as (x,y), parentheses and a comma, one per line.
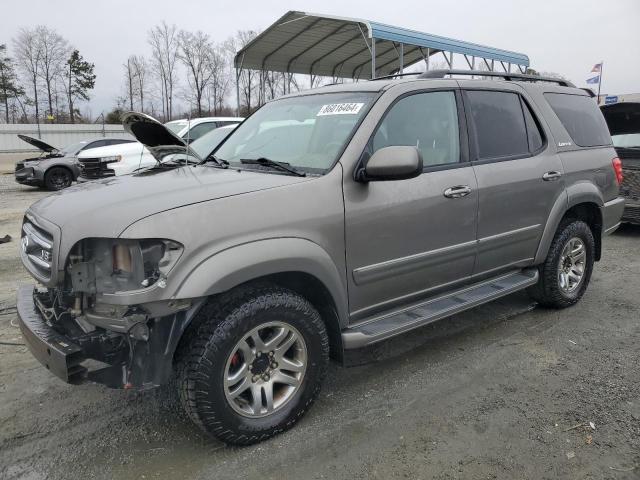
(328,221)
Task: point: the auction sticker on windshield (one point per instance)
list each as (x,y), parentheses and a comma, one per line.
(340,109)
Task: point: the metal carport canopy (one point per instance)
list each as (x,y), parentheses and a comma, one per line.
(340,47)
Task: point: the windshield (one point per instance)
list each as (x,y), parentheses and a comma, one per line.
(629,140)
(207,143)
(175,127)
(307,132)
(72,149)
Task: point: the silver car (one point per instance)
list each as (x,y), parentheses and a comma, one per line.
(328,221)
(56,169)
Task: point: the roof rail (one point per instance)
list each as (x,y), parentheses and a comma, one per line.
(505,76)
(394,75)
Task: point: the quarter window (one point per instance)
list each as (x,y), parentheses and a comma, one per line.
(534,133)
(581,118)
(499,129)
(428,121)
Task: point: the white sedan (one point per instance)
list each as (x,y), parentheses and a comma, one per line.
(128,158)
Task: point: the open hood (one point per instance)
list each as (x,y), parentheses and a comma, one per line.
(39,144)
(159,140)
(622,118)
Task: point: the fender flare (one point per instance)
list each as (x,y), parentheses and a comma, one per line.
(229,268)
(584,192)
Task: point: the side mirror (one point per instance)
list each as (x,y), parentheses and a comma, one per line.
(393,163)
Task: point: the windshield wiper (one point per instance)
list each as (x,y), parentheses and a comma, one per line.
(265,162)
(220,162)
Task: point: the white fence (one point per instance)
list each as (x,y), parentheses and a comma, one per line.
(58,135)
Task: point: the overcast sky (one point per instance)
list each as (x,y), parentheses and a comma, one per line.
(563,36)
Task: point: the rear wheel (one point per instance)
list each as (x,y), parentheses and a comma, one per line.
(566,272)
(254,364)
(57,178)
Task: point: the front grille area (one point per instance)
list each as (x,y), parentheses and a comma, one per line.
(94,168)
(37,247)
(19,166)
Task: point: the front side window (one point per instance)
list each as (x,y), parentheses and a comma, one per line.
(499,129)
(306,132)
(581,118)
(428,121)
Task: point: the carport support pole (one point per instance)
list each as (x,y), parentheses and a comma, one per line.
(401,58)
(373,58)
(237,92)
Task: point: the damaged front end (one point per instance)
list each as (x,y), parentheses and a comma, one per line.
(90,326)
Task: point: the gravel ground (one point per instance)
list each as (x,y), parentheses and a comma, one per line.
(505,391)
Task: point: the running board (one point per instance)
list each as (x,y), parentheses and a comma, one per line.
(398,322)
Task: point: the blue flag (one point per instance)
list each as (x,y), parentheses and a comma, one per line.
(594,80)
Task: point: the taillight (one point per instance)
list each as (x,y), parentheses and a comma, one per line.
(617,168)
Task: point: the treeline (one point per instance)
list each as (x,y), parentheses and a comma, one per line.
(190,74)
(43,78)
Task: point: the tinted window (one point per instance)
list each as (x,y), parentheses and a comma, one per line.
(428,121)
(499,128)
(96,144)
(118,141)
(534,132)
(581,118)
(199,130)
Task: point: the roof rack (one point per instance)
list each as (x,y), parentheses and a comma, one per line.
(505,76)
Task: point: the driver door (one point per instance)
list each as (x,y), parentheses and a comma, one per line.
(407,239)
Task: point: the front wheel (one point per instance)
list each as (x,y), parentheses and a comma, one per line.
(57,178)
(254,365)
(565,274)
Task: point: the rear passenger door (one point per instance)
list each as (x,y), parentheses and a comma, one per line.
(519,175)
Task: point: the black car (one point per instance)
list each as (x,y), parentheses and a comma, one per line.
(56,169)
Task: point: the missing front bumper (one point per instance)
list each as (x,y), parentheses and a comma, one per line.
(56,352)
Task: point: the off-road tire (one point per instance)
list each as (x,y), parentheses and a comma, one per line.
(207,344)
(57,178)
(547,292)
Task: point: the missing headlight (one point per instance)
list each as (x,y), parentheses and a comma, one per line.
(119,265)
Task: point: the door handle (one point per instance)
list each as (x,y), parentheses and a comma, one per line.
(458,191)
(551,176)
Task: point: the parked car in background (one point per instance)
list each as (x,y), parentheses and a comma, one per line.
(104,162)
(623,120)
(193,129)
(379,207)
(56,169)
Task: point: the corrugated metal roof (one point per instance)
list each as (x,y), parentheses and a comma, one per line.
(333,46)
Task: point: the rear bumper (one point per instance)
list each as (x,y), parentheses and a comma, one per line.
(56,352)
(612,214)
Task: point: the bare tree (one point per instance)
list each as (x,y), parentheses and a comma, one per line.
(196,52)
(164,49)
(129,81)
(247,80)
(220,77)
(54,53)
(140,69)
(28,52)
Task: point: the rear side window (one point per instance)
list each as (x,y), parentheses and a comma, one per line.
(581,118)
(499,129)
